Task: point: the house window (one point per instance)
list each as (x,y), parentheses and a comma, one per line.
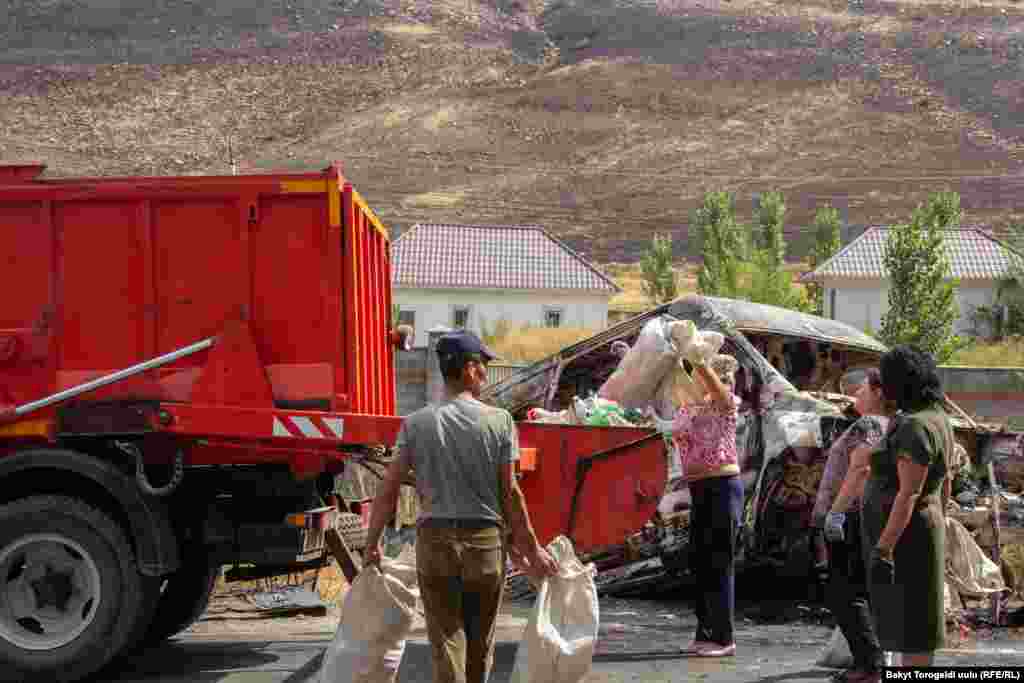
(407,317)
(832,303)
(460,317)
(552,317)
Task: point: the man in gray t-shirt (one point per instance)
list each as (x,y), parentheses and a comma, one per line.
(476,440)
(461,454)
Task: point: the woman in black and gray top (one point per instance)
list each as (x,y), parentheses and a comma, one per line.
(838,507)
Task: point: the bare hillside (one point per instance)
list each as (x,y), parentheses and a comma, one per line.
(603,120)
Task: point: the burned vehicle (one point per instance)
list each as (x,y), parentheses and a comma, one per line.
(791,369)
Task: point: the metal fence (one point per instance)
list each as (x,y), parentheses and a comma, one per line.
(499,372)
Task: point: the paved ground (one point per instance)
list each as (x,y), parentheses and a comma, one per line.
(637,639)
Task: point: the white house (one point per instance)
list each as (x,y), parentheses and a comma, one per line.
(473,276)
(856,286)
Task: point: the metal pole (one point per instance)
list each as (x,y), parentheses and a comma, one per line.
(114,377)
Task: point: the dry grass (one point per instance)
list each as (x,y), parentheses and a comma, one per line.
(429,200)
(526,345)
(1004,354)
(628,277)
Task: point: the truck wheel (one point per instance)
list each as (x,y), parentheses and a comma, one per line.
(185,597)
(71,597)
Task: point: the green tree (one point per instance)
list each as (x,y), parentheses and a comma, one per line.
(766,283)
(765,279)
(768,236)
(827,242)
(922,294)
(659,277)
(721,245)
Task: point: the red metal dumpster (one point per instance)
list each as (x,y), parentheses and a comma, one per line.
(597,485)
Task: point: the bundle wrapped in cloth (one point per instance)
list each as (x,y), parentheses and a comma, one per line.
(652,374)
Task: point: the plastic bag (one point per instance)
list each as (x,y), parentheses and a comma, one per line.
(559,640)
(376,618)
(634,383)
(599,412)
(837,655)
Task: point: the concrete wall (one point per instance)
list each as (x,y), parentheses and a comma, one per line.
(433,307)
(863,304)
(410,380)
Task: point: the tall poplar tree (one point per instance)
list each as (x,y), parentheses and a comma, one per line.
(922,292)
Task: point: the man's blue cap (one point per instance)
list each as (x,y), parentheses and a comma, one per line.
(465,343)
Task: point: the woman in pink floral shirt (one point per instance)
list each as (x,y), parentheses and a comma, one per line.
(705,436)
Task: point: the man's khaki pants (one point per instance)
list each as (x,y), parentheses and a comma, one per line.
(462,579)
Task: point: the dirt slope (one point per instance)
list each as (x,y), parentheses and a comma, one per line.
(603,120)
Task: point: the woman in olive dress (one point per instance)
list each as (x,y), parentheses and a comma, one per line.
(903,517)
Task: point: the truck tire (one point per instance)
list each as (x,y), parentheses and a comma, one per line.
(185,597)
(71,596)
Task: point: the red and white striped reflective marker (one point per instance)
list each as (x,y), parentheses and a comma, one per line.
(309,427)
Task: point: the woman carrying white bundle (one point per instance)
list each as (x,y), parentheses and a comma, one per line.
(705,435)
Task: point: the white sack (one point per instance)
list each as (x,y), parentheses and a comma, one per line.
(376,617)
(677,389)
(559,640)
(634,383)
(969,570)
(837,655)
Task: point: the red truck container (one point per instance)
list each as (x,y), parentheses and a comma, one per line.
(186,364)
(265,302)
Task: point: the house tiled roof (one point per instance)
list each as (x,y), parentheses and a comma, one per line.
(973,254)
(439,255)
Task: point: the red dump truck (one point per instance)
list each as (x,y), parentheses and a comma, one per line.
(186,364)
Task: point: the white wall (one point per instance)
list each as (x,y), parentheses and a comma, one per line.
(435,307)
(864,303)
(858,304)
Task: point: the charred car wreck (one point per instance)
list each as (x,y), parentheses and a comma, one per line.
(791,367)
